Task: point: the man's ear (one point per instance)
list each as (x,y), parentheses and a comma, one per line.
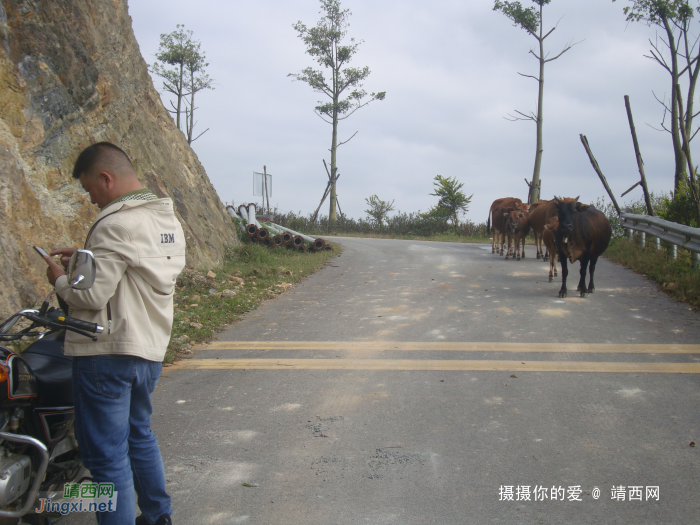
(107,179)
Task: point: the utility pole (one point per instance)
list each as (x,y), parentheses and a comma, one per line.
(266,193)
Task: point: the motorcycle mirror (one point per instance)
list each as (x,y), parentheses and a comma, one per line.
(81,270)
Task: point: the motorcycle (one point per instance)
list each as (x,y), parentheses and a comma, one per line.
(38,448)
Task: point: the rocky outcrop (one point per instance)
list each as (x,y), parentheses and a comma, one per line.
(71,74)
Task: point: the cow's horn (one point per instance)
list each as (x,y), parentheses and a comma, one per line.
(576,199)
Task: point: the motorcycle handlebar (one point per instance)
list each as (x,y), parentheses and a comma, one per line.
(83,325)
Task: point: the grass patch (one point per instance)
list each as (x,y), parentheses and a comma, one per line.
(205,302)
(675,277)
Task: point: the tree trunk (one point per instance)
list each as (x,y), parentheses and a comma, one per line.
(535,186)
(179,96)
(334,146)
(190,127)
(680,173)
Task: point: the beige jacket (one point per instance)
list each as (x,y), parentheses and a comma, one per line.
(139,249)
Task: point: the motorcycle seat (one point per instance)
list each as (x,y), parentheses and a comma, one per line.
(52,369)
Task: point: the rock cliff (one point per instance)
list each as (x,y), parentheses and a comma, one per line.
(71,74)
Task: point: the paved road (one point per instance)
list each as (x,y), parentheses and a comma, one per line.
(427,383)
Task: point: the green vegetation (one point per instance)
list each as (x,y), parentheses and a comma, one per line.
(676,277)
(378,209)
(206,302)
(453,202)
(401,225)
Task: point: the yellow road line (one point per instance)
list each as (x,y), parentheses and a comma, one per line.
(382,346)
(437,365)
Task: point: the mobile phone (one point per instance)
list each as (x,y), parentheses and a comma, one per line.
(41,252)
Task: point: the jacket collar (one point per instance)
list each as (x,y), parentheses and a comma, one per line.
(119,206)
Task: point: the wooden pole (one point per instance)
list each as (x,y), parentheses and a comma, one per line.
(266,193)
(640,162)
(594,163)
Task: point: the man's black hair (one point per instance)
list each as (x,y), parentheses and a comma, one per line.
(91,155)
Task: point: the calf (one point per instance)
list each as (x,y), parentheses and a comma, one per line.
(583,235)
(548,238)
(517,229)
(540,212)
(496,212)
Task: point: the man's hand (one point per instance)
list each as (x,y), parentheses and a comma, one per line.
(65,254)
(54,271)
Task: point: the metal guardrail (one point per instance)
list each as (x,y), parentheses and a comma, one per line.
(671,232)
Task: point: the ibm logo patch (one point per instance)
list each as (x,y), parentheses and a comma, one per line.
(167,238)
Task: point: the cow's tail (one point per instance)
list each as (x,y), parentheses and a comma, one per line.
(488,225)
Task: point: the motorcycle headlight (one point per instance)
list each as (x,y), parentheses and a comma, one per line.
(4,373)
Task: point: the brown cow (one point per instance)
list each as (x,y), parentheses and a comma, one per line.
(540,213)
(497,211)
(548,237)
(583,235)
(517,228)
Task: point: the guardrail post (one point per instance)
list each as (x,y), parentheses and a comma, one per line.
(642,239)
(657,243)
(673,251)
(695,260)
(630,234)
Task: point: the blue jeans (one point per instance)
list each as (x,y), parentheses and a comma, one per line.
(112,396)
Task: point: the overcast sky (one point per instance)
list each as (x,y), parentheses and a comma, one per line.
(449,68)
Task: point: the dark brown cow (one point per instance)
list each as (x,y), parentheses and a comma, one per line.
(540,213)
(548,237)
(517,228)
(497,211)
(583,235)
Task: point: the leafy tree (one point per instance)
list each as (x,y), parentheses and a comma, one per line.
(679,54)
(530,19)
(452,203)
(378,209)
(186,78)
(324,42)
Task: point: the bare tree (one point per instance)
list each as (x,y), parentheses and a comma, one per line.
(530,19)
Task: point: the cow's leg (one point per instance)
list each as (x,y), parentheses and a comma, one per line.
(522,240)
(552,269)
(582,282)
(591,287)
(538,248)
(503,240)
(508,245)
(554,258)
(517,245)
(564,273)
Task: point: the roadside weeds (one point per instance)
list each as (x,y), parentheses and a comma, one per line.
(674,276)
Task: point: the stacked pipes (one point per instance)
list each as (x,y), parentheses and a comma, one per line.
(281,236)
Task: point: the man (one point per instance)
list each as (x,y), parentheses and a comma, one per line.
(139,249)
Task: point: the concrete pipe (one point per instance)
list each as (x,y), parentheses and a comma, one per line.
(318,244)
(252,230)
(263,234)
(277,240)
(297,241)
(305,237)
